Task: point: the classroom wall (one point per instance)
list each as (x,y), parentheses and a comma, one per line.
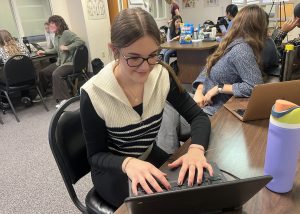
(200,13)
(96,33)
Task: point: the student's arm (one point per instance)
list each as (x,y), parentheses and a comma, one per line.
(194,160)
(71,41)
(198,86)
(187,107)
(247,68)
(95,134)
(199,97)
(279,34)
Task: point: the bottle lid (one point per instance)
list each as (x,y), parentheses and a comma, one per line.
(289,47)
(283,105)
(285,114)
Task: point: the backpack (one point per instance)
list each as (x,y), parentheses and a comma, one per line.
(97,65)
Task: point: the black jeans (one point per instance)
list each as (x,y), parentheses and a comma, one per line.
(113,186)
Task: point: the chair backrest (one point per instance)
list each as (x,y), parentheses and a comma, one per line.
(80,60)
(19,70)
(68,147)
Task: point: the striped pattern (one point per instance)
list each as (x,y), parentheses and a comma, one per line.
(129,133)
(136,138)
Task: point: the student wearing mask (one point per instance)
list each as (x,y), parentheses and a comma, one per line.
(233,69)
(121,110)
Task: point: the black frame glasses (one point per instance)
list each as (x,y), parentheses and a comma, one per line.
(136,61)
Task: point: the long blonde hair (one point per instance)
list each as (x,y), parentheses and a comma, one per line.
(8,43)
(250,24)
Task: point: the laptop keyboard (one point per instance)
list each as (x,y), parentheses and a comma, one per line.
(217,178)
(240,111)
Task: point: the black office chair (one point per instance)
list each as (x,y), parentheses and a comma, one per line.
(80,68)
(19,75)
(69,150)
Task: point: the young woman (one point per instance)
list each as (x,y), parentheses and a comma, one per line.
(174,33)
(65,44)
(121,110)
(174,7)
(233,69)
(8,48)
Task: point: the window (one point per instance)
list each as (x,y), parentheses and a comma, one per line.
(24,17)
(157,8)
(245,2)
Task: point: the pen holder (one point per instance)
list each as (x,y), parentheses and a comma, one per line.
(283,146)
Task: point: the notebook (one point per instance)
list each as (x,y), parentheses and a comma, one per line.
(214,197)
(263,97)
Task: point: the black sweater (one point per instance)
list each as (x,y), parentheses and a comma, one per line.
(98,140)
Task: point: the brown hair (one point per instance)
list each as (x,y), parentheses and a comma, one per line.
(250,24)
(131,25)
(8,43)
(59,22)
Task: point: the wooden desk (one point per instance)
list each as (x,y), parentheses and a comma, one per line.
(239,148)
(191,58)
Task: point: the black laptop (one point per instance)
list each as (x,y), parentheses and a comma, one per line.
(213,196)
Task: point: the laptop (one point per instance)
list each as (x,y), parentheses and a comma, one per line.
(222,28)
(37,47)
(263,97)
(208,198)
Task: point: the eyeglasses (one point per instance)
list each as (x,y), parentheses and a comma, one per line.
(136,61)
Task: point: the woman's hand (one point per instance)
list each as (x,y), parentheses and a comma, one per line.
(290,24)
(63,48)
(210,94)
(142,172)
(176,38)
(40,52)
(193,160)
(199,98)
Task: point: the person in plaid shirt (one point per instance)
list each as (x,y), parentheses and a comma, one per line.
(279,34)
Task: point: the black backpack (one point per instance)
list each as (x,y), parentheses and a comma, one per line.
(97,65)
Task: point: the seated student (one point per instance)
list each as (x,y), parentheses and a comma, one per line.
(174,33)
(65,44)
(270,56)
(8,48)
(231,11)
(121,110)
(279,34)
(233,69)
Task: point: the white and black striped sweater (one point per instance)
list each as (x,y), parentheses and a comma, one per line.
(113,129)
